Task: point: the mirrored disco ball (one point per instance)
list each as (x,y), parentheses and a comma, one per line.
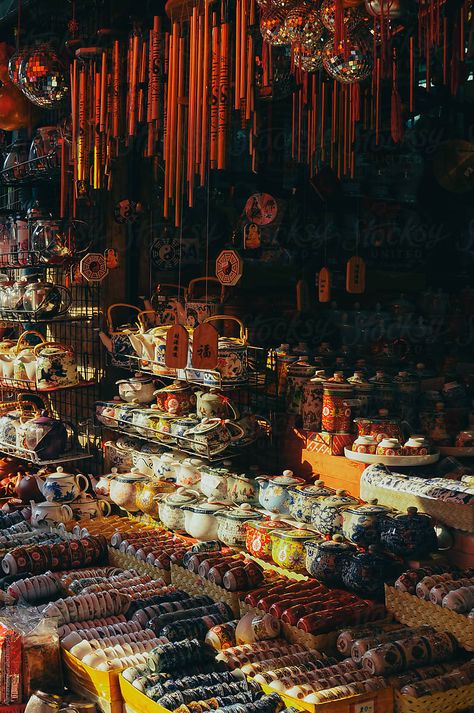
(42,77)
(296,19)
(327,12)
(354,65)
(307,29)
(14,65)
(272,27)
(309,60)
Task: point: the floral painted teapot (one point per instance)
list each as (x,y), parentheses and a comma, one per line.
(274,492)
(324,560)
(213,404)
(177,398)
(409,535)
(137,389)
(366,572)
(61,487)
(55,365)
(327,513)
(302,498)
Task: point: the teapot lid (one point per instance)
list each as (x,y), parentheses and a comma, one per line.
(413,516)
(133,477)
(242,513)
(206,425)
(317,488)
(269,523)
(337,544)
(206,507)
(341,497)
(370,508)
(59,473)
(287,478)
(182,496)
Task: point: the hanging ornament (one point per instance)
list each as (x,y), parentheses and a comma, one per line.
(307,32)
(324,285)
(14,65)
(261,208)
(388,9)
(42,77)
(176,349)
(93,267)
(272,26)
(296,19)
(351,63)
(14,107)
(205,347)
(355,275)
(309,59)
(327,12)
(229,267)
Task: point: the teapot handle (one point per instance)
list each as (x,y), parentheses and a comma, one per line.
(141,317)
(21,339)
(227,317)
(66,299)
(238,428)
(81,477)
(192,283)
(58,345)
(110,309)
(68,510)
(106,507)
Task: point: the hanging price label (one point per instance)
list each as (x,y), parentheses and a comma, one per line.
(176,352)
(364,707)
(205,347)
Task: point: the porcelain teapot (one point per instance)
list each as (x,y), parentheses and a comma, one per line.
(213,404)
(48,513)
(274,492)
(137,389)
(61,487)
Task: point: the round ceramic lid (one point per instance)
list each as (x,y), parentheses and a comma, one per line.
(336,545)
(338,499)
(312,490)
(240,514)
(265,525)
(297,534)
(369,509)
(132,478)
(180,497)
(206,508)
(205,426)
(287,479)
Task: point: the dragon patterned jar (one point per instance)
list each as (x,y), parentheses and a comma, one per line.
(258,536)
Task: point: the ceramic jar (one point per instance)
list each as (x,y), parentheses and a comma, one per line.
(177,399)
(299,372)
(170,508)
(165,467)
(89,508)
(212,436)
(200,520)
(389,447)
(124,489)
(138,389)
(409,535)
(146,500)
(144,458)
(380,427)
(61,487)
(327,513)
(45,436)
(366,572)
(385,393)
(231,524)
(433,423)
(258,536)
(361,524)
(288,548)
(324,560)
(189,472)
(312,403)
(232,357)
(179,426)
(102,485)
(243,487)
(119,454)
(273,491)
(363,391)
(336,415)
(302,497)
(50,514)
(55,365)
(213,483)
(365,444)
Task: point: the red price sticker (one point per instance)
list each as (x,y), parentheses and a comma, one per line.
(364,707)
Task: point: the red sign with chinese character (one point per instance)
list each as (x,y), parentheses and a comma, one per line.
(205,344)
(176,354)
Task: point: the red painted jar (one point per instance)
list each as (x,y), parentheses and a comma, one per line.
(336,415)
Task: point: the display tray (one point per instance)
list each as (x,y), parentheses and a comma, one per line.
(457,452)
(410,610)
(373,702)
(104,684)
(401,461)
(456,699)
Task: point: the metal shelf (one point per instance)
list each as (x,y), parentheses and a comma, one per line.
(31,457)
(42,168)
(25,385)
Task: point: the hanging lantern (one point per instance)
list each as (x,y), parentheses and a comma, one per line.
(14,107)
(309,59)
(296,19)
(305,29)
(351,63)
(14,65)
(272,27)
(383,8)
(42,77)
(352,16)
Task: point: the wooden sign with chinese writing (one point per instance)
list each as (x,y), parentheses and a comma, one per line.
(355,275)
(205,345)
(176,353)
(324,285)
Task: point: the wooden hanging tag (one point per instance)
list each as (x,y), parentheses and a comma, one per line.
(205,346)
(176,353)
(324,285)
(355,275)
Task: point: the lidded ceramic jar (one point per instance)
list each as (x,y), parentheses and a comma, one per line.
(145,499)
(363,391)
(302,497)
(361,524)
(366,572)
(273,491)
(231,524)
(298,374)
(327,513)
(170,508)
(408,535)
(288,547)
(243,487)
(312,404)
(336,414)
(258,540)
(200,519)
(384,394)
(124,489)
(325,559)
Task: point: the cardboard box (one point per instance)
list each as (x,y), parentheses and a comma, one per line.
(331,444)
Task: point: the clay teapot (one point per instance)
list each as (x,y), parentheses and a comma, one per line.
(27,488)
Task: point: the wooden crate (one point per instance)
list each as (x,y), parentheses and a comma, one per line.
(103,684)
(373,702)
(452,701)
